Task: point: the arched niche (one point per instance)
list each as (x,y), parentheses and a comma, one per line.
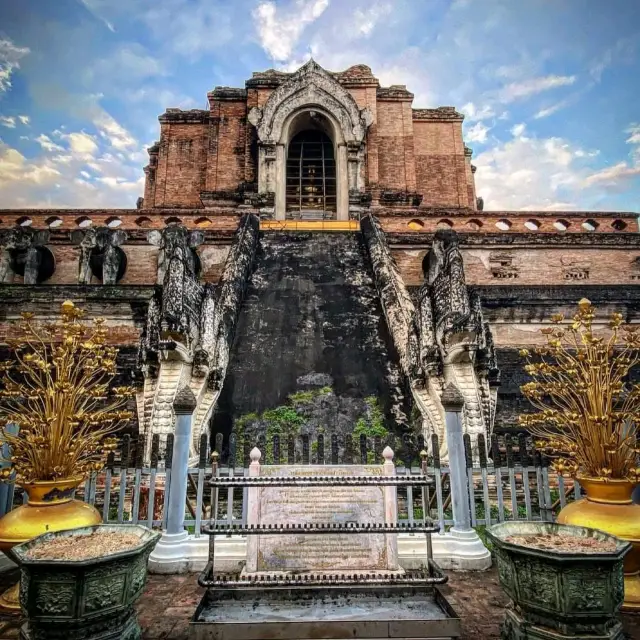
(312,119)
(311,90)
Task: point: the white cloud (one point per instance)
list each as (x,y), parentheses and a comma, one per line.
(473,113)
(612,177)
(531,173)
(95,6)
(8,121)
(279,30)
(10,56)
(477,133)
(526,88)
(115,134)
(634,138)
(547,111)
(518,129)
(618,175)
(366,20)
(24,119)
(82,143)
(47,143)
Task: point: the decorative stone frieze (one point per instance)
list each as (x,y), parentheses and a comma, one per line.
(23,253)
(101,255)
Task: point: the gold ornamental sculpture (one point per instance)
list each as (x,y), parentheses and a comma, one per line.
(587,423)
(56,392)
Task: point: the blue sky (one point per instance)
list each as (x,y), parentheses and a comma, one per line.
(550,88)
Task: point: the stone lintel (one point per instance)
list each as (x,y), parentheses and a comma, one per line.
(234,94)
(178,116)
(439,114)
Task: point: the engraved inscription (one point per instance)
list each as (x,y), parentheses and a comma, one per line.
(336,505)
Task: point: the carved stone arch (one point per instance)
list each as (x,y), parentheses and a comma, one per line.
(311,85)
(311,88)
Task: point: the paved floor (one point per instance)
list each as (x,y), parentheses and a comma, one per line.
(169,602)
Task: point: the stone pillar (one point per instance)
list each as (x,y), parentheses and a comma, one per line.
(390,509)
(253,512)
(177,551)
(184,405)
(453,403)
(460,546)
(342,182)
(281,182)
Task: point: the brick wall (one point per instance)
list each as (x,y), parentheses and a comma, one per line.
(227,149)
(440,164)
(181,165)
(395,146)
(533,266)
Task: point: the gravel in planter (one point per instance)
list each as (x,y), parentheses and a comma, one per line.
(560,593)
(89,598)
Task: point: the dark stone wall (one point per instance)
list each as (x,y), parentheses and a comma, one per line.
(311,336)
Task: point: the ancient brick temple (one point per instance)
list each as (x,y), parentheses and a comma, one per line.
(310,255)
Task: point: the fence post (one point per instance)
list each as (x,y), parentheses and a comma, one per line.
(453,403)
(467,547)
(6,487)
(176,550)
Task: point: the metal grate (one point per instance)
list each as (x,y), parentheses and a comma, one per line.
(311,174)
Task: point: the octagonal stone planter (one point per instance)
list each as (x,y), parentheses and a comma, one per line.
(556,594)
(84,599)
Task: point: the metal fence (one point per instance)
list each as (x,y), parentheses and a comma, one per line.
(510,480)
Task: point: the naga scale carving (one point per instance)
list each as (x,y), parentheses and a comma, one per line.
(444,339)
(190,328)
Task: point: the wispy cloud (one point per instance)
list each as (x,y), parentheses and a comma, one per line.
(94,7)
(474,113)
(547,111)
(280,29)
(10,56)
(528,88)
(477,133)
(8,121)
(367,19)
(623,50)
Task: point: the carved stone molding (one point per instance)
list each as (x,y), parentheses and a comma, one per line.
(310,85)
(100,254)
(23,253)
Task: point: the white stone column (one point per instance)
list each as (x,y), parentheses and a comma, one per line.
(390,509)
(253,511)
(342,182)
(464,543)
(281,182)
(177,551)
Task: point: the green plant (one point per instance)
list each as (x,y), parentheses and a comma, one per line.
(371,424)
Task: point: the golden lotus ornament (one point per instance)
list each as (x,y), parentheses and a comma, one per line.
(57,392)
(51,507)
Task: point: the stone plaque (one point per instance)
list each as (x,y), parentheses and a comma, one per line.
(303,505)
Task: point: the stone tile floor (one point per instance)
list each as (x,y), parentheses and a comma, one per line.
(169,602)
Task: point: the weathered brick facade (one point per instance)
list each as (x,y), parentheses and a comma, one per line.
(415,174)
(408,150)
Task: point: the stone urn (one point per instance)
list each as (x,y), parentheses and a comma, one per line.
(559,594)
(84,599)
